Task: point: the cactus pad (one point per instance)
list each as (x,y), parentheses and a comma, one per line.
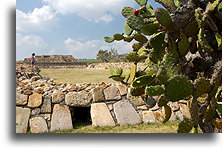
(142,81)
(135,22)
(118,36)
(163,17)
(109,39)
(156,41)
(134,57)
(183,45)
(150,29)
(154,90)
(137,46)
(177,88)
(127,29)
(167,113)
(141,2)
(185,126)
(132,73)
(140,38)
(201,86)
(127,11)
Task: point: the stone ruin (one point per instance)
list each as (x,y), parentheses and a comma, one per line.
(43,105)
(53,59)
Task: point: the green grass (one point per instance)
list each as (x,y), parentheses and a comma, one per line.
(169,127)
(78,75)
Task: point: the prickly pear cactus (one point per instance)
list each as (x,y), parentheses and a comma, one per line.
(181,45)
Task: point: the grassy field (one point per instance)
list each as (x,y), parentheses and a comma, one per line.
(169,127)
(78,75)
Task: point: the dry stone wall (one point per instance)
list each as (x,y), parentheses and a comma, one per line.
(43,105)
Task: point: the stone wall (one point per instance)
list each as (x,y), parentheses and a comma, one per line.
(43,105)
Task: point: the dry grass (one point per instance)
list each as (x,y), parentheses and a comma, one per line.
(169,127)
(78,75)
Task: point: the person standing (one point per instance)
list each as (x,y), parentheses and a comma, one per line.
(32,60)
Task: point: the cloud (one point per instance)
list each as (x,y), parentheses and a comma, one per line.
(40,19)
(27,44)
(91,10)
(89,49)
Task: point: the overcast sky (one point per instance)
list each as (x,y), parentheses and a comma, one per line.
(75,27)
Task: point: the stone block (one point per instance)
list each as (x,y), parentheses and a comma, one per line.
(21,99)
(78,99)
(57,96)
(35,100)
(122,89)
(126,113)
(159,116)
(38,125)
(46,106)
(98,95)
(148,117)
(101,115)
(185,110)
(135,100)
(61,118)
(22,118)
(112,93)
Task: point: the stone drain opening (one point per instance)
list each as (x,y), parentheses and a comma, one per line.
(81,116)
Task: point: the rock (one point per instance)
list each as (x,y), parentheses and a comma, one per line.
(98,95)
(35,112)
(78,99)
(159,116)
(112,93)
(35,78)
(22,117)
(135,100)
(61,118)
(46,106)
(35,100)
(185,110)
(122,89)
(150,102)
(173,116)
(21,99)
(179,115)
(174,106)
(142,107)
(28,92)
(39,90)
(125,113)
(148,117)
(47,117)
(155,108)
(57,96)
(38,125)
(101,115)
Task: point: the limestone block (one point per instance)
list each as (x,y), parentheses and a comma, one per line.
(159,116)
(179,115)
(98,95)
(112,93)
(21,99)
(125,113)
(35,111)
(148,117)
(57,96)
(38,125)
(185,110)
(78,99)
(122,89)
(135,100)
(35,100)
(46,106)
(101,115)
(22,117)
(61,118)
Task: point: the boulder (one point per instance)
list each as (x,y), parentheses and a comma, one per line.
(135,100)
(125,113)
(112,93)
(22,118)
(57,96)
(38,125)
(122,89)
(78,99)
(61,118)
(159,116)
(35,100)
(148,117)
(98,95)
(101,115)
(21,99)
(46,106)
(185,110)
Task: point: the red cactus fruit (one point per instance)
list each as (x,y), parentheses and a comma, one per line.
(136,12)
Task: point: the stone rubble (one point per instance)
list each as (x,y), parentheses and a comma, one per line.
(43,105)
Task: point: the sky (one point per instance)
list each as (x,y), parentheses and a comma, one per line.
(73,27)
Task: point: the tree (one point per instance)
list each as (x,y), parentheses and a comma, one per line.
(107,56)
(183,57)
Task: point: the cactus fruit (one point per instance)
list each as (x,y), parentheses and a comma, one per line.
(217,123)
(140,38)
(183,45)
(167,113)
(137,46)
(109,39)
(218,39)
(182,85)
(162,101)
(156,41)
(185,126)
(150,29)
(163,17)
(132,73)
(142,81)
(136,12)
(118,36)
(135,22)
(149,101)
(127,29)
(127,11)
(154,90)
(201,86)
